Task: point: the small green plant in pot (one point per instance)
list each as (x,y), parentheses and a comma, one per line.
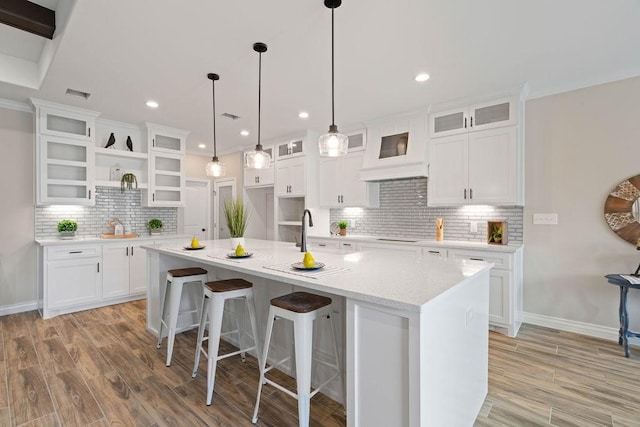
(343,227)
(237,217)
(154,225)
(67,228)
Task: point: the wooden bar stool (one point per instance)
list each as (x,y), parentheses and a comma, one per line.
(302,309)
(624,333)
(170,308)
(215,295)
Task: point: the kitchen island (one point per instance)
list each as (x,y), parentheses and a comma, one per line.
(415,331)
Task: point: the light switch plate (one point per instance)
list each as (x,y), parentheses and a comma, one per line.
(473,227)
(545,219)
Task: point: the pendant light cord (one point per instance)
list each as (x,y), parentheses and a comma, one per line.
(259,96)
(332,73)
(213,85)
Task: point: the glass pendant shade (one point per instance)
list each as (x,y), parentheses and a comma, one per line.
(215,168)
(333,143)
(258,159)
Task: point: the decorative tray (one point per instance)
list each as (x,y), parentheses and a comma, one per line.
(300,266)
(191,248)
(246,255)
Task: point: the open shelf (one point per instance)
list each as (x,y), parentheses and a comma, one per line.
(120,153)
(293,223)
(116,184)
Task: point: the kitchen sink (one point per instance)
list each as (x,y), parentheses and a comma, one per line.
(398,240)
(119,236)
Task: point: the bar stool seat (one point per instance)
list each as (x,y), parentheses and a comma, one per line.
(302,308)
(170,308)
(624,333)
(216,293)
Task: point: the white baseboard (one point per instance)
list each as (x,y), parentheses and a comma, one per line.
(588,329)
(19,308)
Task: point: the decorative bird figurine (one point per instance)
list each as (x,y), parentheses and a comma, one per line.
(111,141)
(129,143)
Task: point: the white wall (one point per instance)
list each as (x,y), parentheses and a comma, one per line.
(579,146)
(17,247)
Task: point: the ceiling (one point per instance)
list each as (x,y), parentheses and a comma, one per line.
(126,52)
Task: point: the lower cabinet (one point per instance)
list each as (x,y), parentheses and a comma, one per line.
(73,276)
(125,270)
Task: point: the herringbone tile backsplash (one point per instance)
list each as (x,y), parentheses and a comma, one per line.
(403,212)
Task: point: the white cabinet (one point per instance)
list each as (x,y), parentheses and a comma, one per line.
(124,270)
(435,252)
(164,139)
(332,245)
(340,184)
(505,287)
(291,148)
(64,121)
(254,178)
(290,177)
(486,115)
(371,246)
(396,148)
(483,167)
(72,276)
(167,180)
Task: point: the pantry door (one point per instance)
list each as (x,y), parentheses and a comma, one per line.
(224,190)
(197,211)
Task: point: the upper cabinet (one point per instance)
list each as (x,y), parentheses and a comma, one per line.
(396,148)
(64,154)
(292,148)
(254,178)
(166,166)
(291,178)
(476,155)
(339,181)
(64,121)
(482,116)
(165,139)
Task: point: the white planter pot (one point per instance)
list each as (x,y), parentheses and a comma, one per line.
(235,241)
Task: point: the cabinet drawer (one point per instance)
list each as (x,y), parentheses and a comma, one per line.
(438,252)
(73,252)
(502,261)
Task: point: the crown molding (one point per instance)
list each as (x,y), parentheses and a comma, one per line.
(15,105)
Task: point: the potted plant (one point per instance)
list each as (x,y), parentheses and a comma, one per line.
(155,226)
(67,228)
(127,181)
(343,227)
(237,216)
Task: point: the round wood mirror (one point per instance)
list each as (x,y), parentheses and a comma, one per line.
(622,210)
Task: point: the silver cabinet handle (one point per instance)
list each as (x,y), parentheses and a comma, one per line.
(434,252)
(75,252)
(465,194)
(470,193)
(89,194)
(127,250)
(98,267)
(132,249)
(471,121)
(476,259)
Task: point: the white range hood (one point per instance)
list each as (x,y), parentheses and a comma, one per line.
(397,147)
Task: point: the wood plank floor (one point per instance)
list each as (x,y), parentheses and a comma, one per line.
(101,368)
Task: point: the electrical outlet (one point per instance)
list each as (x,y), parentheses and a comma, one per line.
(545,219)
(473,227)
(468,317)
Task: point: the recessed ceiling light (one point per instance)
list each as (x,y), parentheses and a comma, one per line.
(152,104)
(303,115)
(202,146)
(422,77)
(244,132)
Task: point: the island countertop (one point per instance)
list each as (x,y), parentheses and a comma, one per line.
(388,278)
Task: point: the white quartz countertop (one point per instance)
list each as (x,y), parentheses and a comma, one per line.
(409,241)
(398,280)
(96,239)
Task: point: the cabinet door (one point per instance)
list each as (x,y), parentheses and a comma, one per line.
(168,142)
(298,178)
(115,275)
(283,179)
(74,281)
(290,149)
(448,170)
(65,172)
(251,177)
(493,171)
(451,122)
(290,177)
(353,191)
(167,182)
(365,246)
(329,173)
(493,114)
(67,124)
(137,269)
(499,297)
(267,176)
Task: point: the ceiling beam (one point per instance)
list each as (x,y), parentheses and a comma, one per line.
(27,16)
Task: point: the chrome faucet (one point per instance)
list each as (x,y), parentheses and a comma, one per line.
(303,243)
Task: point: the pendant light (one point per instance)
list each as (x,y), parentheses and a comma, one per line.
(259,159)
(333,143)
(214,167)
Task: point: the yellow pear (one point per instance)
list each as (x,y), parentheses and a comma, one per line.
(308,260)
(194,242)
(239,250)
